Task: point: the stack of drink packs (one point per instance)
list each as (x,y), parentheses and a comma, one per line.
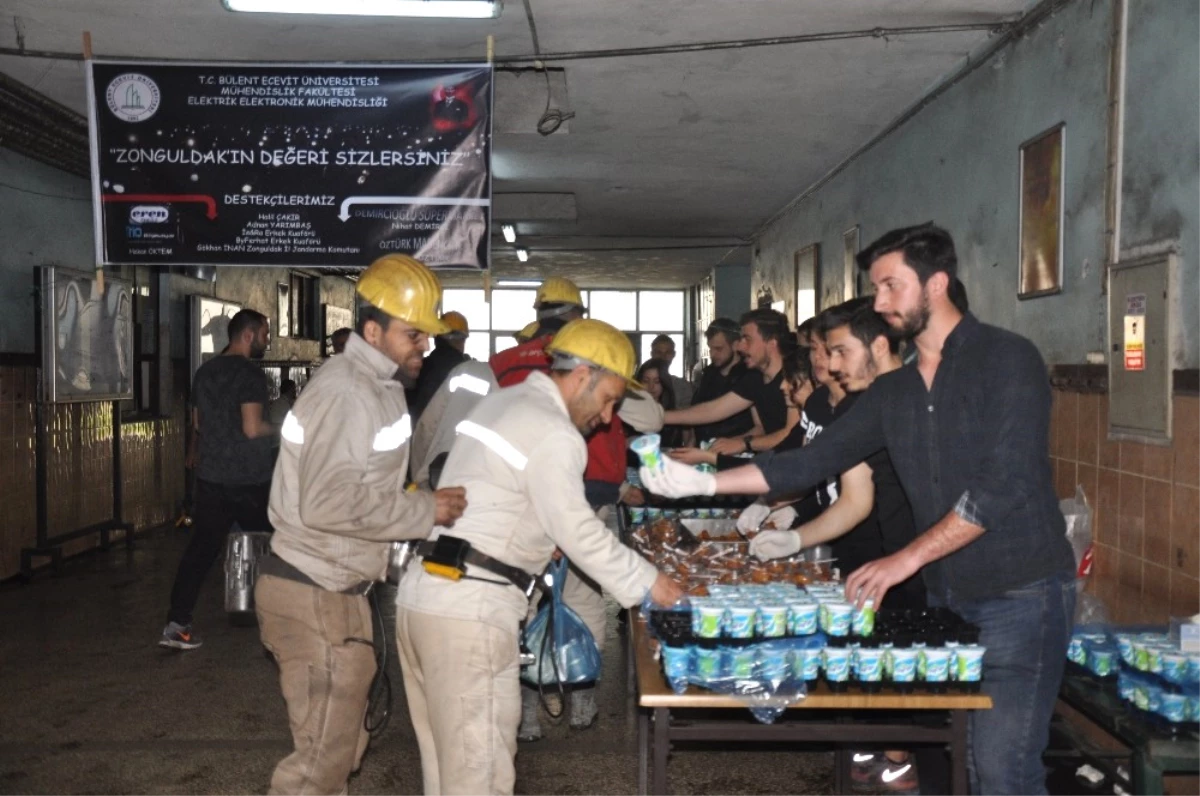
(779,633)
(1153,673)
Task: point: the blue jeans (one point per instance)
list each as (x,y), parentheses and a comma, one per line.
(1026,632)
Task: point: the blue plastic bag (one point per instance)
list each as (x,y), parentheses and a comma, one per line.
(563,648)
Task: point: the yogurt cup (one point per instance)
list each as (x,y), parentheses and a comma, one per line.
(703,513)
(707,664)
(637,515)
(904,664)
(868,664)
(862,620)
(653,513)
(1174,667)
(1173,707)
(772,620)
(1141,655)
(968,663)
(1141,696)
(1100,662)
(677,662)
(837,664)
(742,662)
(741,621)
(836,618)
(1125,647)
(1075,651)
(648,451)
(810,668)
(773,663)
(671,514)
(1193,669)
(937,664)
(708,620)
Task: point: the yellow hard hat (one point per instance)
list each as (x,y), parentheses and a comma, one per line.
(526,334)
(558,290)
(457,323)
(406,289)
(598,343)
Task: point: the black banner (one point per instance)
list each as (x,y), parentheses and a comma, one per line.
(323,165)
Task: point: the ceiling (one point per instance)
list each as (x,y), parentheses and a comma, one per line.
(672,161)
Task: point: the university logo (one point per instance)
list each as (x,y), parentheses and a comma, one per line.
(132,97)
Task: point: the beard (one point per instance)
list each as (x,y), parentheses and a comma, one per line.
(257,350)
(914,322)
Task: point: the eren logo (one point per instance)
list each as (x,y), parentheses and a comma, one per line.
(148,214)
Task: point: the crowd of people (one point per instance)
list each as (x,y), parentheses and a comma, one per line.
(898,429)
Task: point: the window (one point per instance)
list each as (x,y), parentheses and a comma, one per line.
(299,308)
(808,278)
(643,314)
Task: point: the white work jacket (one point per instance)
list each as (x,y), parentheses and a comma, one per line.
(338,497)
(521,460)
(463,388)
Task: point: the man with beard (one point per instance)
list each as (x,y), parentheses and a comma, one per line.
(338,500)
(720,377)
(521,455)
(233,457)
(966,427)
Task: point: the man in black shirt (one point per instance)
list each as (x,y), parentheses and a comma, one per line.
(719,378)
(449,351)
(765,339)
(234,461)
(966,427)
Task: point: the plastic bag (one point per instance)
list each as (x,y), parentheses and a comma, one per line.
(1078,514)
(564,650)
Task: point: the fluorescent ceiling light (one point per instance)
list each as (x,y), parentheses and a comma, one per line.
(463,9)
(518,282)
(510,233)
(522,254)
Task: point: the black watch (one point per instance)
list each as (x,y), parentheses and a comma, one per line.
(747,439)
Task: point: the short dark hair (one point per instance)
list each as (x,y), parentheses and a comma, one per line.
(369,312)
(664,377)
(286,385)
(663,338)
(245,320)
(927,249)
(772,325)
(797,367)
(726,326)
(864,322)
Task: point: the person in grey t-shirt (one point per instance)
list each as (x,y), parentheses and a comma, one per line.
(233,462)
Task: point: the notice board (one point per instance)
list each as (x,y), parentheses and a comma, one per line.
(314,165)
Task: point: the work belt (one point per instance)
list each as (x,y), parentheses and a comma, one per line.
(274,565)
(517,577)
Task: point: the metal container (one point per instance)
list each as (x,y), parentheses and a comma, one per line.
(243,551)
(398,558)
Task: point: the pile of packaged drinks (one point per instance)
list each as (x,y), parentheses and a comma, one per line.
(779,633)
(716,507)
(1153,673)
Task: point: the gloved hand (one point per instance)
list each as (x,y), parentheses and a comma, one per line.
(775,544)
(677,480)
(782,518)
(752,517)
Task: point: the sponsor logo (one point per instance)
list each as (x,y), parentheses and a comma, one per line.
(133,232)
(148,214)
(132,97)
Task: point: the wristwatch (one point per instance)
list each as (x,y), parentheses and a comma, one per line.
(746,439)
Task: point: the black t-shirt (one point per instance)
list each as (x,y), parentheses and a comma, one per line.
(767,398)
(224,454)
(893,516)
(712,385)
(818,415)
(434,370)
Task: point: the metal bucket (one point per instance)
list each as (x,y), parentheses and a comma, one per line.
(243,551)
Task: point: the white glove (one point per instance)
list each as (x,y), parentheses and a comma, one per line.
(752,517)
(782,518)
(678,480)
(775,544)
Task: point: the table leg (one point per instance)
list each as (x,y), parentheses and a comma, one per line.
(662,745)
(958,752)
(643,744)
(841,762)
(1147,777)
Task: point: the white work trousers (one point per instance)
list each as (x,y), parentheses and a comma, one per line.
(464,698)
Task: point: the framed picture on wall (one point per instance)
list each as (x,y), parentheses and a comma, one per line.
(283,306)
(86,336)
(849,264)
(1042,172)
(808,282)
(335,318)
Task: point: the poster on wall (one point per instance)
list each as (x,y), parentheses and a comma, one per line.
(209,328)
(1041,209)
(335,318)
(87,337)
(318,165)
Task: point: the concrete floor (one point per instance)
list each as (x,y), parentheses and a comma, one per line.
(92,705)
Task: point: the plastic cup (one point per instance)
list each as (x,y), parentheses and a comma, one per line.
(1155,694)
(772,621)
(703,513)
(742,663)
(1173,707)
(1174,667)
(968,663)
(654,514)
(741,621)
(837,664)
(1125,686)
(802,618)
(1075,650)
(1141,655)
(1193,669)
(1141,696)
(708,664)
(648,451)
(904,664)
(677,662)
(707,620)
(862,621)
(773,663)
(671,514)
(1100,662)
(1125,647)
(637,515)
(811,668)
(868,663)
(836,618)
(937,664)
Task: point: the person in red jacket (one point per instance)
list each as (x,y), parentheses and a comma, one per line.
(558,302)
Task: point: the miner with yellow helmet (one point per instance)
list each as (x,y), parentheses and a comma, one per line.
(338,501)
(449,351)
(521,456)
